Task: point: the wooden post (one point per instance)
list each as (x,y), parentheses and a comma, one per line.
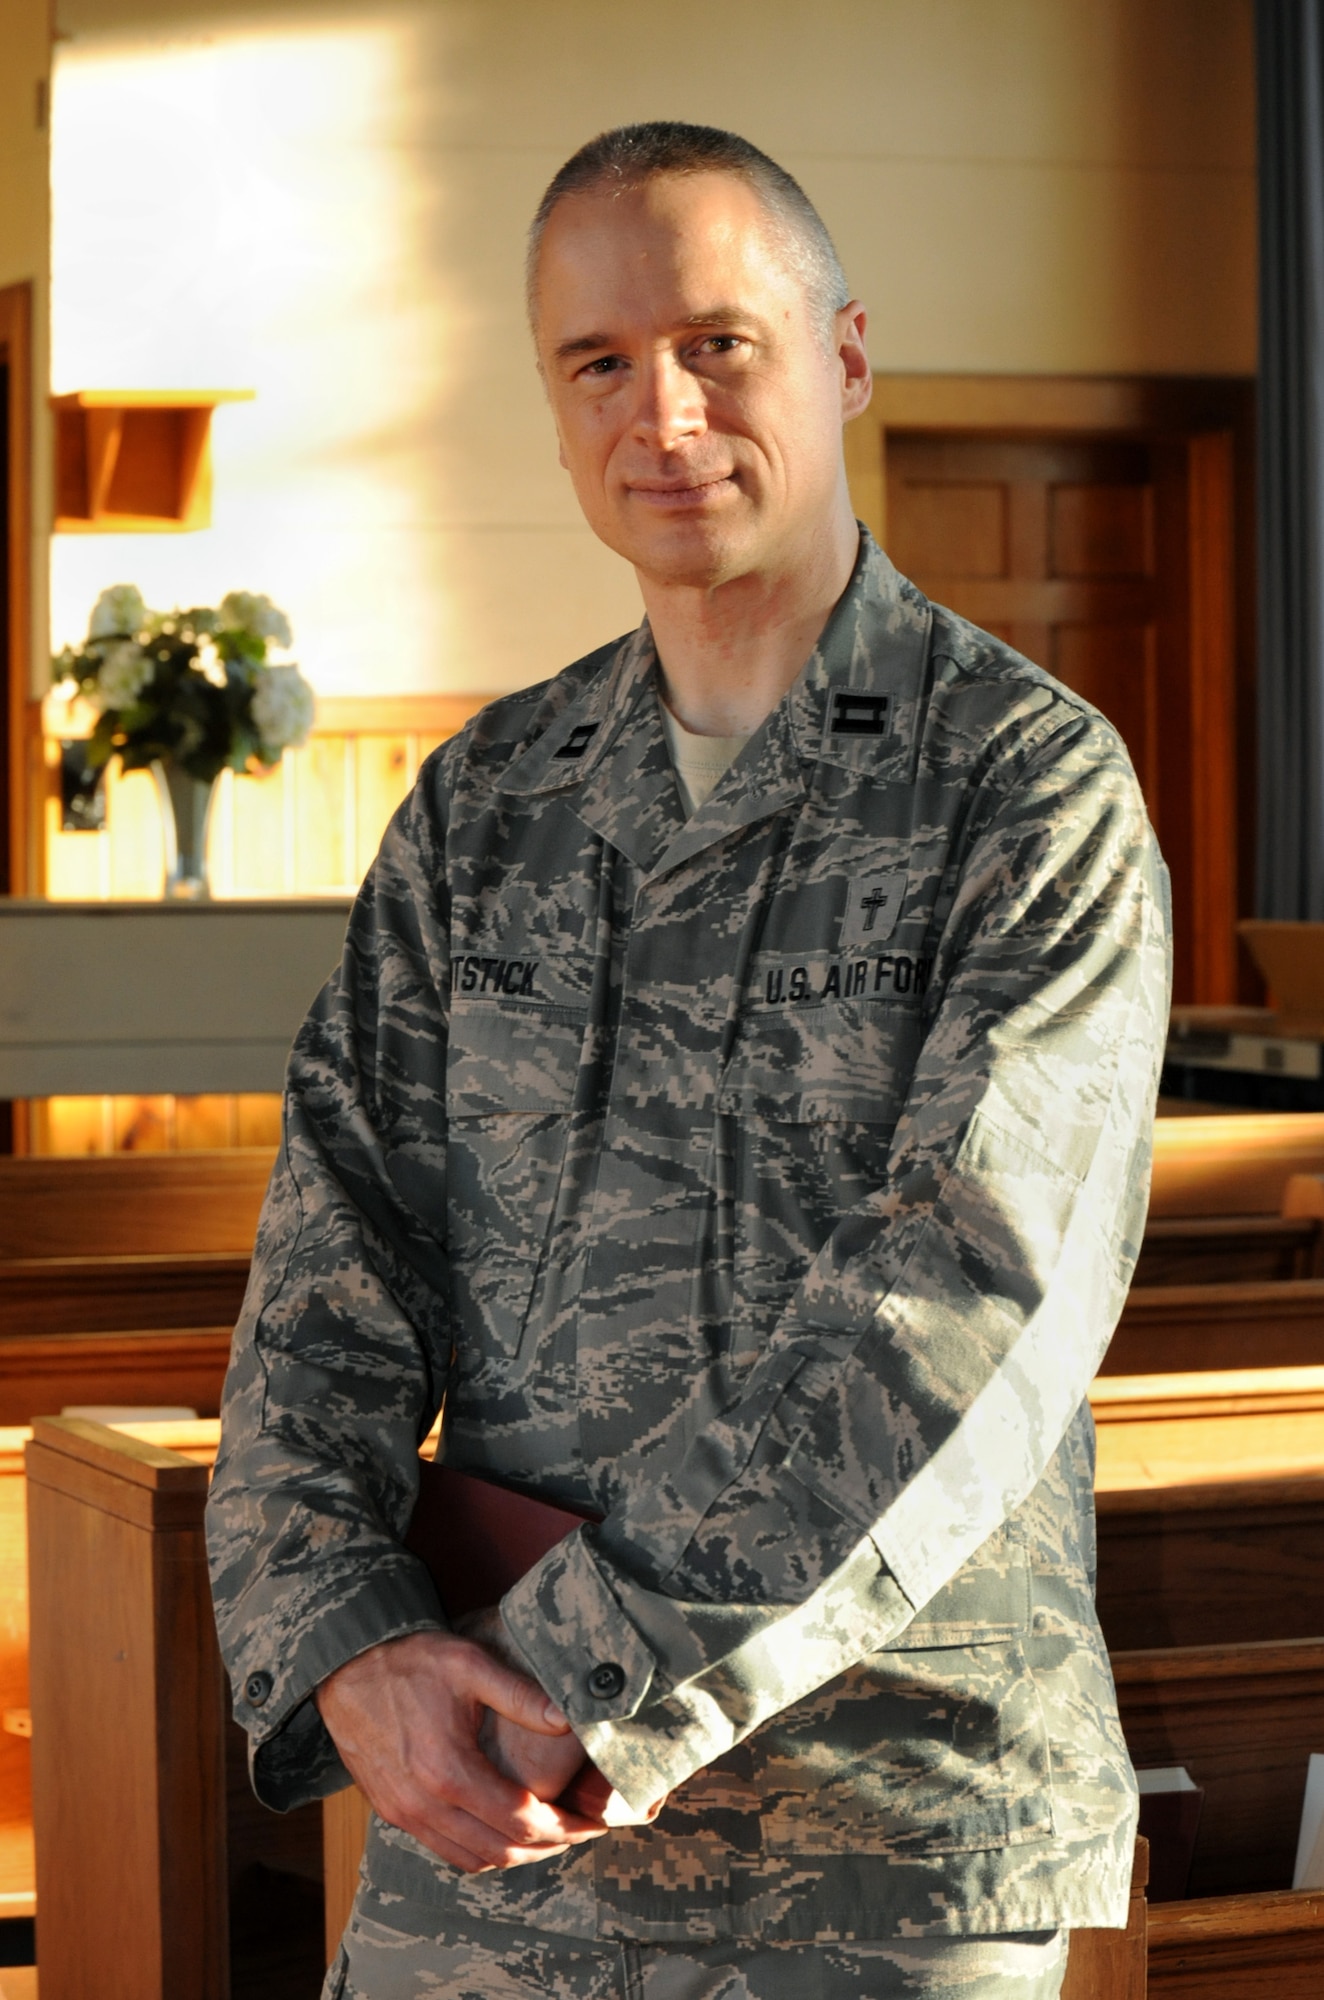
(127,1693)
(1113,1965)
(344,1831)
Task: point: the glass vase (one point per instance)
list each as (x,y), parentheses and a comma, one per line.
(186,804)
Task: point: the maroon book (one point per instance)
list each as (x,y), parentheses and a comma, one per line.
(477,1540)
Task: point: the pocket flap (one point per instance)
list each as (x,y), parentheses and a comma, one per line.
(511,1060)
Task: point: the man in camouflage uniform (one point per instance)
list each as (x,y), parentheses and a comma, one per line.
(766,1177)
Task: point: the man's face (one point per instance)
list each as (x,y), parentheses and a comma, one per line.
(699,410)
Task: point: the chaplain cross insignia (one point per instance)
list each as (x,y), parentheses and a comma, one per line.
(872,908)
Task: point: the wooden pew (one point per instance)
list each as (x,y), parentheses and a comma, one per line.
(1168,1329)
(120,1294)
(42,1374)
(180,1887)
(1234,1165)
(1243,1720)
(1235,1199)
(121,1277)
(1230,1249)
(1209,1491)
(17,1880)
(128,1704)
(1113,1965)
(132,1204)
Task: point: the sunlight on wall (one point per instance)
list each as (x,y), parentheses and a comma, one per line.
(231,213)
(325,202)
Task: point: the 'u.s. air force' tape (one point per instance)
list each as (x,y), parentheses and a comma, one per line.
(892,975)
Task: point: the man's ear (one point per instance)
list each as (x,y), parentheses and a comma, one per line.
(561,458)
(856,374)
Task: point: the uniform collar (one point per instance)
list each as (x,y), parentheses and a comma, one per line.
(854,706)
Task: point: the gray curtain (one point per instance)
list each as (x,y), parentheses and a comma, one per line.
(1290,88)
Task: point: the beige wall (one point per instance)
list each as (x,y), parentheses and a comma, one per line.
(25,232)
(326,203)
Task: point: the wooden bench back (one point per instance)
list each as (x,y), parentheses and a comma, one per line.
(44,1373)
(1209,1494)
(1243,1720)
(1170,1329)
(120,1294)
(1231,1249)
(153,1861)
(132,1204)
(1234,1165)
(126,1694)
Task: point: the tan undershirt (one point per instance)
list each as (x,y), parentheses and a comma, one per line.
(700,761)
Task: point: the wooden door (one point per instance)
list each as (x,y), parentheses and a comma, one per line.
(1105,552)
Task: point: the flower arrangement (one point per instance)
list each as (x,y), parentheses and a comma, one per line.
(189,689)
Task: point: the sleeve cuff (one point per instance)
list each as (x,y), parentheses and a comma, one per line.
(576,1640)
(292,1758)
(715,1673)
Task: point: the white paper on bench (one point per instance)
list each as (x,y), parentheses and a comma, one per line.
(1165,1778)
(128,1413)
(1310,1847)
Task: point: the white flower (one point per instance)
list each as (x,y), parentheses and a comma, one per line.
(209,663)
(251,613)
(118,612)
(123,674)
(282,709)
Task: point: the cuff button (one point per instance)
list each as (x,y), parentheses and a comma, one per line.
(607,1681)
(256,1689)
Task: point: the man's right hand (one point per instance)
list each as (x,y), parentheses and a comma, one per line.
(405,1717)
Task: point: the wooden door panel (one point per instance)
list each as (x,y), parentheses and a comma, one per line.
(1087,554)
(1115,668)
(952,529)
(1052,601)
(1101,531)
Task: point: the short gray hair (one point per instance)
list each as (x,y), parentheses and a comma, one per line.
(631,154)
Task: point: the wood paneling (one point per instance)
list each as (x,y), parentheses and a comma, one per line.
(310,826)
(68,1126)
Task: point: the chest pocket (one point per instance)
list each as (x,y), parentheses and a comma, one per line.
(510,1088)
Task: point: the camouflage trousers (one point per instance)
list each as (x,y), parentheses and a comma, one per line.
(479,1960)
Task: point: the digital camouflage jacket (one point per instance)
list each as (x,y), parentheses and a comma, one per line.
(770,1182)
